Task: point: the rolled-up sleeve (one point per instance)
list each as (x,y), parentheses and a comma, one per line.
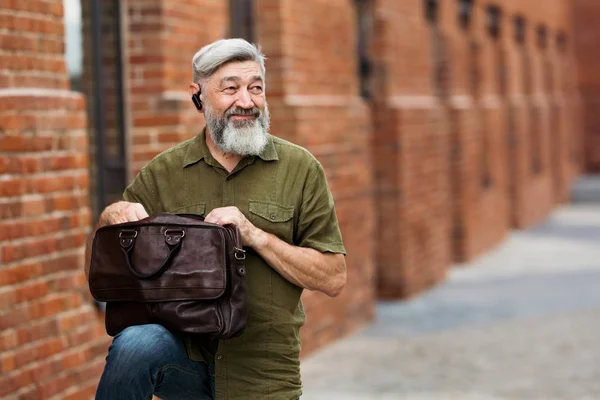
(142,190)
(317,221)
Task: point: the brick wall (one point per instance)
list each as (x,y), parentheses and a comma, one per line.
(409,152)
(477,153)
(162,38)
(51,344)
(434,167)
(315,103)
(586,40)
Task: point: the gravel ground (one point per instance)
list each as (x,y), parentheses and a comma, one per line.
(522,322)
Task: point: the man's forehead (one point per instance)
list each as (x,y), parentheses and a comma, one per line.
(238,70)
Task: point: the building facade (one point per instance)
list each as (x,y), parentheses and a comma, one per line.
(441,125)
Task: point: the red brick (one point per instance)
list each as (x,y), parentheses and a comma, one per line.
(61,263)
(74,319)
(37,330)
(8,340)
(48,184)
(14,252)
(12,382)
(57,385)
(54,304)
(13,317)
(19,273)
(82,392)
(31,291)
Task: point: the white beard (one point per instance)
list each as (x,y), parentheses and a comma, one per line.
(244,138)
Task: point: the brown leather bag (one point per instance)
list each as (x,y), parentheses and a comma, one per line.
(174,270)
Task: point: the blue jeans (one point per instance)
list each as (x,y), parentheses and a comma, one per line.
(149,360)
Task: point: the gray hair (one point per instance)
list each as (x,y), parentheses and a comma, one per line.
(212,56)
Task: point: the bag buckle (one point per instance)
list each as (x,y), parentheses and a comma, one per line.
(174,236)
(127,237)
(128,232)
(240,254)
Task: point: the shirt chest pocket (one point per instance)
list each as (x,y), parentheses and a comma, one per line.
(273,218)
(196,209)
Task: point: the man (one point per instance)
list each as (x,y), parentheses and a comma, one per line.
(276,193)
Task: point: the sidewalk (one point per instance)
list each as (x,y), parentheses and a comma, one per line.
(523,322)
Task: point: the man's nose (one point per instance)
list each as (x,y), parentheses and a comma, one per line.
(244,99)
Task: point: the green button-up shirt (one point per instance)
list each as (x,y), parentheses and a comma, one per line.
(282,191)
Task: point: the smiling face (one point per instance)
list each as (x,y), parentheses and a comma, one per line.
(235,108)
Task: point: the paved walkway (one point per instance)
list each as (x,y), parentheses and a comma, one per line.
(523,322)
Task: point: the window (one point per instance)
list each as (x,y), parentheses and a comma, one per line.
(431,11)
(542,37)
(73,42)
(103,86)
(363,27)
(494,17)
(519,29)
(438,50)
(493,21)
(241,19)
(465,11)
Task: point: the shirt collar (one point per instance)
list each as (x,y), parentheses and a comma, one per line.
(198,150)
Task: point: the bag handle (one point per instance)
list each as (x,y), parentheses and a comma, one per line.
(173,239)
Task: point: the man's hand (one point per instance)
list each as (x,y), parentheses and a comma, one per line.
(251,235)
(120,212)
(115,213)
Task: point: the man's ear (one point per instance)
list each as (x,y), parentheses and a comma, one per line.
(193,88)
(194,91)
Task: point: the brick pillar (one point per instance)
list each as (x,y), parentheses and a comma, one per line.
(560,166)
(516,119)
(576,111)
(51,342)
(537,198)
(488,210)
(162,38)
(409,152)
(461,117)
(586,41)
(478,133)
(313,92)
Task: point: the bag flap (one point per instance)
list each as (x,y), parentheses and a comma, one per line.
(194,270)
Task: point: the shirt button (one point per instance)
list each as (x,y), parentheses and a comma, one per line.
(273,217)
(219,357)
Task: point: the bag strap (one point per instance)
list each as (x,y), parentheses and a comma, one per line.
(173,239)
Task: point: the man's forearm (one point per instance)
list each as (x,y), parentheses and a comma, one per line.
(304,267)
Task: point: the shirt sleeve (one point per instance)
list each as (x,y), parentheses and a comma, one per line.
(317,222)
(142,190)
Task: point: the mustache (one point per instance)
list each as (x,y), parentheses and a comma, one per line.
(243,111)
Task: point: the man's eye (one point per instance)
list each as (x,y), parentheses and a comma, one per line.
(256,89)
(230,89)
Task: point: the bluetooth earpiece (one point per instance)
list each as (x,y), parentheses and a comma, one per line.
(197,101)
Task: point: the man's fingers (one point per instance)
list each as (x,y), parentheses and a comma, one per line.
(134,212)
(224,216)
(210,217)
(140,212)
